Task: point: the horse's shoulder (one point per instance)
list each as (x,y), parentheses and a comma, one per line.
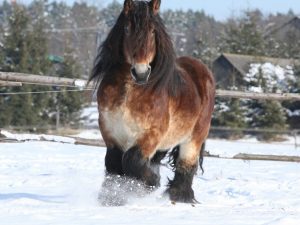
(195,68)
(198,73)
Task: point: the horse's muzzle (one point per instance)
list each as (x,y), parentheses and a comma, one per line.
(141,73)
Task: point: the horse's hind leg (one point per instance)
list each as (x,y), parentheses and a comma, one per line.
(156,161)
(185,162)
(158,157)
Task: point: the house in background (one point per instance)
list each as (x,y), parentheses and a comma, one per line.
(230,69)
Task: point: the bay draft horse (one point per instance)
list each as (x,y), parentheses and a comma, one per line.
(150,101)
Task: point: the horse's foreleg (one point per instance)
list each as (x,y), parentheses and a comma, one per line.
(113,161)
(186,164)
(136,165)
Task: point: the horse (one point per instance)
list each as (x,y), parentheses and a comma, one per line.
(151,102)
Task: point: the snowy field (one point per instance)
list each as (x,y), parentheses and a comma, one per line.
(53,183)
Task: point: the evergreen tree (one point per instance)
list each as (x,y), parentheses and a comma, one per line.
(243,36)
(265,114)
(273,47)
(268,115)
(230,113)
(24,51)
(68,104)
(292,45)
(16,110)
(38,49)
(293,108)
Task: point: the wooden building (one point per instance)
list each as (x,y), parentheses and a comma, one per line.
(230,69)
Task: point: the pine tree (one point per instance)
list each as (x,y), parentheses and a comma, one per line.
(243,36)
(293,108)
(268,115)
(68,104)
(38,49)
(265,114)
(16,54)
(25,50)
(230,113)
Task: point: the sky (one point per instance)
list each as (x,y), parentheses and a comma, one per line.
(220,9)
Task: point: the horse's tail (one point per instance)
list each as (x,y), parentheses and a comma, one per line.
(173,156)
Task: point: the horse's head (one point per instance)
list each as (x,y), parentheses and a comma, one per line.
(140,40)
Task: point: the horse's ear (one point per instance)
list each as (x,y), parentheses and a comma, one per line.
(127,6)
(155,4)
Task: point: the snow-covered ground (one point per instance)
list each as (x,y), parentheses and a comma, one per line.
(54,183)
(89,116)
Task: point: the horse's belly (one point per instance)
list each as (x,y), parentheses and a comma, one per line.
(121,128)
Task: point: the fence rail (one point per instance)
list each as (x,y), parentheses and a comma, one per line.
(42,80)
(259,96)
(100,143)
(20,78)
(9,84)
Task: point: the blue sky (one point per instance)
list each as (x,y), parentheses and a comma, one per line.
(220,9)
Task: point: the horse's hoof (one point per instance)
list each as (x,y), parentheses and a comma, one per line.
(181,195)
(151,179)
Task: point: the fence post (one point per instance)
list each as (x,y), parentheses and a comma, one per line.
(57,112)
(294,134)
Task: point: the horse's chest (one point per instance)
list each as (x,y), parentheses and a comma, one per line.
(121,126)
(128,116)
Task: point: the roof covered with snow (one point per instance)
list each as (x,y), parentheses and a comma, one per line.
(242,63)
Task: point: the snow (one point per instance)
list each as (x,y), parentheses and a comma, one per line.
(274,76)
(89,134)
(223,148)
(80,83)
(54,183)
(293,113)
(89,116)
(27,137)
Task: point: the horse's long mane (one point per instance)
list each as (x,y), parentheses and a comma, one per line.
(110,56)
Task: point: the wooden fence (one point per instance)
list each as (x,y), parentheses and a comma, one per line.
(11,78)
(100,143)
(16,79)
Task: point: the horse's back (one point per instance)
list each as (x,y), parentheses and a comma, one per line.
(200,75)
